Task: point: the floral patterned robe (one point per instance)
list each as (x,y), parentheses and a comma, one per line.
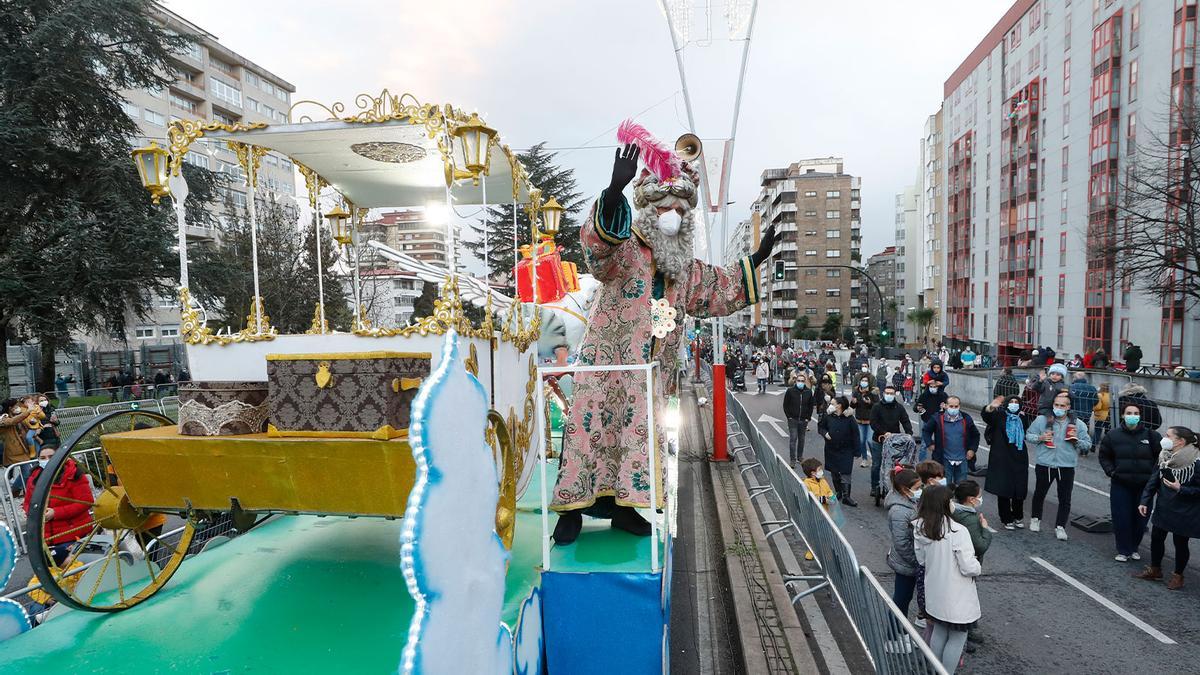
(606,434)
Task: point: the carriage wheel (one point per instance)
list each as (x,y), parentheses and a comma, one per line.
(124,575)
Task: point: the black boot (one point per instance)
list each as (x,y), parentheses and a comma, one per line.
(568,527)
(627,518)
(844,494)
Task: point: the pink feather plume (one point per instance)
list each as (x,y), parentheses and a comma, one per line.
(657,157)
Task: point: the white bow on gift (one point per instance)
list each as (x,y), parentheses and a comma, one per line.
(662,318)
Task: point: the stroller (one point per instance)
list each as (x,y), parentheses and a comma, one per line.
(897,449)
(739,380)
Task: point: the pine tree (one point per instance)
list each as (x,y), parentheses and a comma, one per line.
(82,243)
(554,181)
(423,305)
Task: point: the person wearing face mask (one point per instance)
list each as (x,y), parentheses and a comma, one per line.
(66,518)
(1056,439)
(936,373)
(887,417)
(1049,385)
(1008,463)
(1173,492)
(945,551)
(798,409)
(1129,457)
(931,401)
(954,438)
(863,398)
(968,499)
(901,505)
(842,442)
(12,435)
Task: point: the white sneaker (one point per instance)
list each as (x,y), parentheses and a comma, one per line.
(1061,533)
(1009,526)
(1135,556)
(1035,525)
(864,463)
(1121,558)
(1020,525)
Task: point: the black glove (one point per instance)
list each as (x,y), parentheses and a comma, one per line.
(764,247)
(624,169)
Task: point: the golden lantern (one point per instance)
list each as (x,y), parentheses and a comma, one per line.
(152,165)
(339,225)
(472,144)
(551,218)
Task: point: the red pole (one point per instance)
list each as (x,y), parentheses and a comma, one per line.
(720,453)
(696,354)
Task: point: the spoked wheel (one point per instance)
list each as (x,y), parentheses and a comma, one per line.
(91,548)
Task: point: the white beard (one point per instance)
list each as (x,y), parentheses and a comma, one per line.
(672,253)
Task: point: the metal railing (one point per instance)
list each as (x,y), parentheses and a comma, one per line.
(890,640)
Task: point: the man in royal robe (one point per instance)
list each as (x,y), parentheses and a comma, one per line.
(639,257)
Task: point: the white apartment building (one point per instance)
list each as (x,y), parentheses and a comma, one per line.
(909,259)
(1039,124)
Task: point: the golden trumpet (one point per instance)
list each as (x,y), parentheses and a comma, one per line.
(688,147)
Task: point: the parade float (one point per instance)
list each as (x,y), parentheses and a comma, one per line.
(391,482)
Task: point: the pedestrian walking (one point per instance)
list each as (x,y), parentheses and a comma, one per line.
(1101,412)
(901,505)
(1056,439)
(1135,394)
(1008,463)
(953,437)
(842,443)
(1129,457)
(798,409)
(887,417)
(943,547)
(863,398)
(1174,494)
(761,372)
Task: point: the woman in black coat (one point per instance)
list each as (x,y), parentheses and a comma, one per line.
(1008,462)
(1129,456)
(1174,494)
(842,445)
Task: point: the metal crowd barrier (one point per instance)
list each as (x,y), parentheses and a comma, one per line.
(890,640)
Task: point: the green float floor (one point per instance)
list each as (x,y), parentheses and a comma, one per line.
(298,594)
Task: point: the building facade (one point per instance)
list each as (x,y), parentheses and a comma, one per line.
(410,231)
(1041,122)
(815,208)
(933,221)
(909,259)
(742,241)
(388,295)
(883,267)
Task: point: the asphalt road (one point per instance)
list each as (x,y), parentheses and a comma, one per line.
(1048,606)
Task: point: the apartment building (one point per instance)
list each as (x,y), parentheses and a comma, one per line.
(909,258)
(1041,122)
(933,217)
(411,231)
(815,208)
(388,295)
(883,267)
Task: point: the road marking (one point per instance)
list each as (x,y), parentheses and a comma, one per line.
(1112,606)
(774,422)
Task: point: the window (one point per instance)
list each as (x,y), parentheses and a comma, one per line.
(1124,330)
(810,272)
(130,109)
(985,298)
(833,234)
(156,93)
(810,252)
(1132,144)
(1060,332)
(252,78)
(192,49)
(834,253)
(833,292)
(833,310)
(253,105)
(810,214)
(1067,76)
(833,273)
(183,103)
(1062,293)
(169,331)
(810,291)
(1062,248)
(222,117)
(833,215)
(810,193)
(226,92)
(833,194)
(1135,22)
(1067,32)
(810,233)
(143,332)
(166,302)
(1133,80)
(155,118)
(196,159)
(224,67)
(1066,158)
(810,310)
(1066,115)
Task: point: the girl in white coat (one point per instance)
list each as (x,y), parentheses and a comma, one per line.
(944,548)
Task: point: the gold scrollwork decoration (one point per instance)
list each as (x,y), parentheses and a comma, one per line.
(313,182)
(447,313)
(250,159)
(196,332)
(182,133)
(319,325)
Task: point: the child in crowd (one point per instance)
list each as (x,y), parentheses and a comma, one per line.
(943,547)
(968,498)
(815,483)
(901,506)
(932,473)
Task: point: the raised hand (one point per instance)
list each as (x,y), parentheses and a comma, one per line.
(624,167)
(764,247)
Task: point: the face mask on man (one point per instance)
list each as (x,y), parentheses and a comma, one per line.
(669,222)
(1166,443)
(889,397)
(952,413)
(799,385)
(942,481)
(933,390)
(832,409)
(1059,412)
(1132,420)
(1014,408)
(866,369)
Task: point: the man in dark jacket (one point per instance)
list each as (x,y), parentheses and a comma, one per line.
(1006,385)
(1133,358)
(798,409)
(1083,398)
(1129,456)
(887,417)
(954,438)
(1135,394)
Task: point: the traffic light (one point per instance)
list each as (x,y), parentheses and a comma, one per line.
(883,330)
(778,270)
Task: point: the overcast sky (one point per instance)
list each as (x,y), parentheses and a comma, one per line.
(855,79)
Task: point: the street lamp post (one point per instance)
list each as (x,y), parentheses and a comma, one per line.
(860,271)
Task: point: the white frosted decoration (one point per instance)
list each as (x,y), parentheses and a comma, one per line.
(13,619)
(452,559)
(527,649)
